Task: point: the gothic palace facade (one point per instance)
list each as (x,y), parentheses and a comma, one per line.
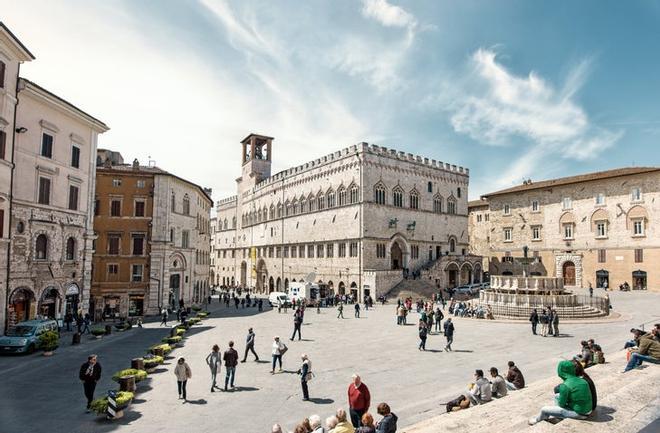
(357,219)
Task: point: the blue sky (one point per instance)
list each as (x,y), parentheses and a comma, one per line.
(510,89)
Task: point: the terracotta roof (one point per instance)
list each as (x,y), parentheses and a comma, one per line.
(599,175)
(477,203)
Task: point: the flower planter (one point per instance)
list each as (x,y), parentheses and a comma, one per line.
(98,337)
(49,353)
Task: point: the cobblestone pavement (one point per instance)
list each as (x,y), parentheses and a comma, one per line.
(43,394)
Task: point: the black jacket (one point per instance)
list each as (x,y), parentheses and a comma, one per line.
(387,424)
(534,317)
(449,329)
(94,377)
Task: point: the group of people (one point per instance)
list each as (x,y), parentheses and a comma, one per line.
(590,354)
(644,347)
(467,309)
(549,320)
(358,419)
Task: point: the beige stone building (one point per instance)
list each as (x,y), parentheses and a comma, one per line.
(52,202)
(355,220)
(597,228)
(12,54)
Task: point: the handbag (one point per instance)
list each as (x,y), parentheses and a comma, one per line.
(283,349)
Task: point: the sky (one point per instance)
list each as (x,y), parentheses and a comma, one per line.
(511,89)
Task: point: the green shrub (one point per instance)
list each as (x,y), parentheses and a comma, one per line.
(140,375)
(180,332)
(202,315)
(98,331)
(49,341)
(194,321)
(172,340)
(152,361)
(100,405)
(166,348)
(196,308)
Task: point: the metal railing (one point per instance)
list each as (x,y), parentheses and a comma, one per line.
(521,305)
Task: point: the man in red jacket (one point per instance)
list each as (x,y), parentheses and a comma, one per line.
(359,400)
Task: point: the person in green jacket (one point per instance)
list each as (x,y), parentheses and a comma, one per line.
(573,400)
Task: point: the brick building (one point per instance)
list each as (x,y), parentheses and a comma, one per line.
(153,239)
(598,228)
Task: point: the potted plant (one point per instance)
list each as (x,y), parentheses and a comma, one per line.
(165,347)
(151,362)
(180,332)
(202,315)
(49,341)
(176,340)
(123,400)
(196,308)
(140,375)
(98,333)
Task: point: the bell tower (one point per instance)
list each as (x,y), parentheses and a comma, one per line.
(257,158)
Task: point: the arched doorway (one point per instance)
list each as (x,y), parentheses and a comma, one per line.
(243,280)
(175,290)
(261,275)
(286,284)
(72,297)
(639,280)
(49,304)
(396,255)
(602,278)
(278,284)
(466,274)
(354,291)
(271,285)
(451,275)
(21,306)
(341,288)
(568,272)
(477,273)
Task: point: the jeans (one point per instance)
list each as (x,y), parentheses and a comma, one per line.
(356,417)
(182,388)
(422,343)
(510,386)
(438,326)
(450,339)
(357,314)
(89,387)
(251,348)
(556,326)
(534,328)
(277,358)
(296,328)
(630,343)
(557,412)
(214,374)
(231,372)
(636,360)
(305,390)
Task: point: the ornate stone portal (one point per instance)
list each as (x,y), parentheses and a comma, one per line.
(563,265)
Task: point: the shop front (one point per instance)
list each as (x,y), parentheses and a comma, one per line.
(602,279)
(135,305)
(639,280)
(111,307)
(21,307)
(50,303)
(71,299)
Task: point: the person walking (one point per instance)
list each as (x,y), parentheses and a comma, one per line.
(90,373)
(163,317)
(231,361)
(550,319)
(213,361)
(86,322)
(297,323)
(591,291)
(306,375)
(183,373)
(359,400)
(449,334)
(555,323)
(279,349)
(438,319)
(357,310)
(423,333)
(534,320)
(340,310)
(249,346)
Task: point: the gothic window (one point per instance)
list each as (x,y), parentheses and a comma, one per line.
(452,245)
(233,222)
(70,249)
(397,197)
(294,206)
(379,194)
(330,198)
(320,201)
(451,205)
(41,247)
(414,199)
(186,205)
(271,214)
(341,192)
(279,210)
(287,208)
(437,203)
(311,203)
(303,205)
(354,194)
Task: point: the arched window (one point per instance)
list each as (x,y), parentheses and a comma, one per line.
(330,198)
(397,197)
(414,199)
(41,247)
(70,249)
(271,214)
(287,208)
(311,202)
(279,210)
(294,206)
(186,205)
(259,216)
(354,194)
(233,222)
(452,245)
(379,194)
(303,205)
(437,203)
(225,224)
(173,203)
(341,192)
(451,205)
(320,201)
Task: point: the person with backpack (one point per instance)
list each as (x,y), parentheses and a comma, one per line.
(449,334)
(438,319)
(305,372)
(279,349)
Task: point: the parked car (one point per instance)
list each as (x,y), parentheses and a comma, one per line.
(24,336)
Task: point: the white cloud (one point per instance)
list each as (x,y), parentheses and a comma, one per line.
(499,108)
(387,14)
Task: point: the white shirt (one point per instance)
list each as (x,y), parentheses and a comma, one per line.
(277,347)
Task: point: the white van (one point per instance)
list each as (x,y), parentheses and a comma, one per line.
(303,290)
(279,298)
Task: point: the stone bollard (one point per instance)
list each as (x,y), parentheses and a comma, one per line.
(137,363)
(127,383)
(173,331)
(76,339)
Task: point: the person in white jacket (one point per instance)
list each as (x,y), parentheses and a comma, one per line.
(279,349)
(182,373)
(480,391)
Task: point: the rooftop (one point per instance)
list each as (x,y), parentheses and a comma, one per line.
(588,177)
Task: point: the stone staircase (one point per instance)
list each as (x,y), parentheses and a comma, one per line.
(627,403)
(419,288)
